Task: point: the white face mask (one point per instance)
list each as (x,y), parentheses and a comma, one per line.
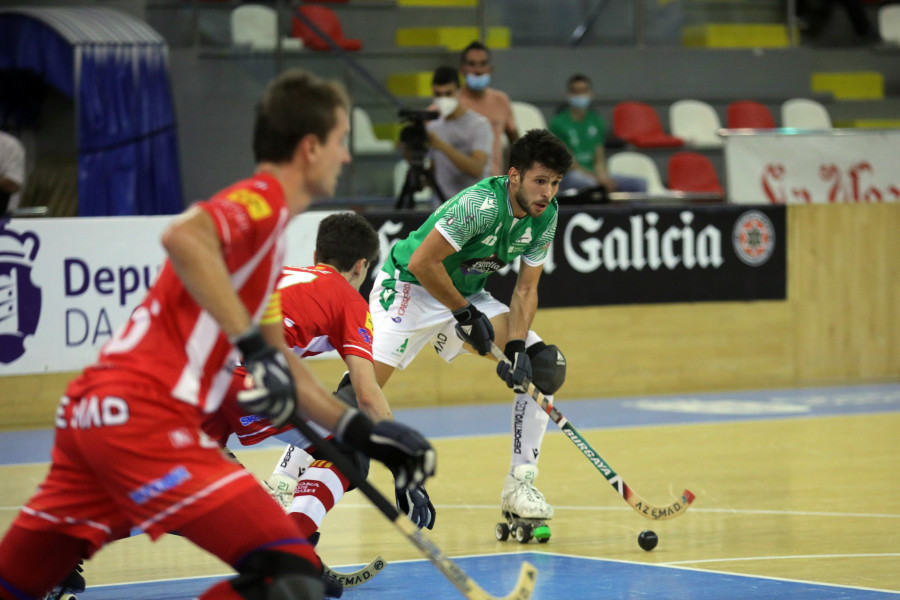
(446,104)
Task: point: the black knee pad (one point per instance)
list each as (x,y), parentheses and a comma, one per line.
(345,391)
(548,367)
(290,577)
(347,395)
(296,587)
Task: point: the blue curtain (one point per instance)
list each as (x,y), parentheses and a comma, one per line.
(128,155)
(127,140)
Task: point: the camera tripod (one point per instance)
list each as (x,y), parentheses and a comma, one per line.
(415,176)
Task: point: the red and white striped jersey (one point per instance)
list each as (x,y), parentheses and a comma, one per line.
(169,337)
(323,312)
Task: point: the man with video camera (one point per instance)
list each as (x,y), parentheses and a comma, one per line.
(458,142)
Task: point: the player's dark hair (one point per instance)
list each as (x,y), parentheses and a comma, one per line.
(540,146)
(295,104)
(576,78)
(444,75)
(476,45)
(344,238)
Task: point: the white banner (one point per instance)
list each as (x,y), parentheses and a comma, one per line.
(67,284)
(819,167)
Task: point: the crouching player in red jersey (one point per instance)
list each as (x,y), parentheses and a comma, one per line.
(323,311)
(129,451)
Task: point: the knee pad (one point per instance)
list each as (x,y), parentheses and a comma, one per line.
(289,577)
(347,395)
(296,587)
(345,391)
(548,367)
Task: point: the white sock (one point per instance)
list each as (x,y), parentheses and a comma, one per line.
(529,423)
(293,462)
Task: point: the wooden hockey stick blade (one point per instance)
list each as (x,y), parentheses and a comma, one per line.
(465,584)
(644,508)
(358,577)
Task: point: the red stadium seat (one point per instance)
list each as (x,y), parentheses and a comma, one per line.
(326,20)
(749,114)
(638,124)
(693,172)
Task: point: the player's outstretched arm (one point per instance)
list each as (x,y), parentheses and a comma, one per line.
(403,450)
(369,395)
(314,401)
(426,263)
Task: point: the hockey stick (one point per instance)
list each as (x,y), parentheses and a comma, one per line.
(465,584)
(644,508)
(358,577)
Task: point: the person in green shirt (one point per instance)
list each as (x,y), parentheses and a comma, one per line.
(431,290)
(583,131)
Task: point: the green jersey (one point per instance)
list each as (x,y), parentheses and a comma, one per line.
(581,137)
(479,223)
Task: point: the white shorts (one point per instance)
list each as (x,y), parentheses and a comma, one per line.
(413,318)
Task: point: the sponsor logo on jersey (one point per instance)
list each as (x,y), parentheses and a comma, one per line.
(365,335)
(404,299)
(248,419)
(439,341)
(386,297)
(369,325)
(20,299)
(181,438)
(753,238)
(257,206)
(157,487)
(402,347)
(479,266)
(525,237)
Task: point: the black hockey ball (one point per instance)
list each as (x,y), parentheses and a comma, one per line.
(648,540)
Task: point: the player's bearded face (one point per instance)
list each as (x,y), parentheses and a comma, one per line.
(536,188)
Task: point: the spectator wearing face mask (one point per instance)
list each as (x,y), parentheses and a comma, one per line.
(583,131)
(460,140)
(492,104)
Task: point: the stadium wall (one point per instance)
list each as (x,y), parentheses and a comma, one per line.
(840,324)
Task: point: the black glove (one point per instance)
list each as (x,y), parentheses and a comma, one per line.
(403,450)
(415,504)
(273,394)
(518,368)
(474,328)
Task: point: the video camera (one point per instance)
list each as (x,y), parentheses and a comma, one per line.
(413,136)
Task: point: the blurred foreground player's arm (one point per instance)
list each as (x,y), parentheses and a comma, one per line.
(195,251)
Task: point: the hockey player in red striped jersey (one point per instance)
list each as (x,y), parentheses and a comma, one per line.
(129,451)
(323,311)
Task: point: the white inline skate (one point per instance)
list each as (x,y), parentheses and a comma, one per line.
(524,508)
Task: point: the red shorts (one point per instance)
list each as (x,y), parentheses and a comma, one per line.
(128,455)
(230,418)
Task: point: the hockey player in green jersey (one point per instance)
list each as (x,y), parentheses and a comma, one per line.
(432,283)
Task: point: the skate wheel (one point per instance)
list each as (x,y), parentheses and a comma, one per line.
(523,534)
(542,534)
(502,531)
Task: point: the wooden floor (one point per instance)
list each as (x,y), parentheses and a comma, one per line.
(813,499)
